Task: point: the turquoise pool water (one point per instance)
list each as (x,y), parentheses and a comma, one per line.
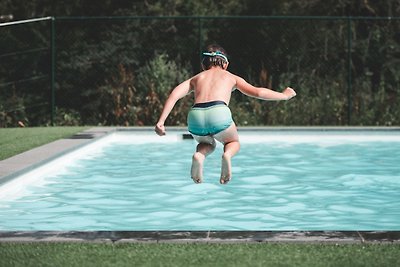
(281,181)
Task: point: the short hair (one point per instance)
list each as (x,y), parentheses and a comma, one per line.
(214,55)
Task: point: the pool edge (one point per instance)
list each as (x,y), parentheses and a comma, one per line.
(329,237)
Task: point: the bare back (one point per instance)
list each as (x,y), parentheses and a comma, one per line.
(213,84)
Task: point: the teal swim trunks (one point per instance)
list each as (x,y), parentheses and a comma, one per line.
(209,118)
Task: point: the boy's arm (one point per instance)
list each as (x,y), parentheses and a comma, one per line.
(180,91)
(263,93)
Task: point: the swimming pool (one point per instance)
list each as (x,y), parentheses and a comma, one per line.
(282,180)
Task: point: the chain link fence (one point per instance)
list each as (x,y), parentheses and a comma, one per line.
(25,72)
(119,70)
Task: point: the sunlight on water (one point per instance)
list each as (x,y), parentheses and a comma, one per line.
(281,181)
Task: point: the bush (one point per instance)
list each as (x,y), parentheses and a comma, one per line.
(136,98)
(154,83)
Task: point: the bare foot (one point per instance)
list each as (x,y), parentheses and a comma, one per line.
(226,171)
(197,167)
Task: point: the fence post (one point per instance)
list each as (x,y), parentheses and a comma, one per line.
(52,65)
(349,70)
(200,22)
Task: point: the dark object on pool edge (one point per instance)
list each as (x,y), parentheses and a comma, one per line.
(82,136)
(187,136)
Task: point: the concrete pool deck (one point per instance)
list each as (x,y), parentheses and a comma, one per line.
(14,166)
(328,237)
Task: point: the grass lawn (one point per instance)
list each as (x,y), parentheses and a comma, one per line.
(200,254)
(17,140)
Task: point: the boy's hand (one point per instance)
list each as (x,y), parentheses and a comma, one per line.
(160,129)
(289,92)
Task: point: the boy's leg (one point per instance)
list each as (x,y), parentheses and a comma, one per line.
(205,147)
(230,138)
(230,149)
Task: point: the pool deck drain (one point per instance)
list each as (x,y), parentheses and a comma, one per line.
(328,237)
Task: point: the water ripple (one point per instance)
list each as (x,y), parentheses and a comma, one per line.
(287,187)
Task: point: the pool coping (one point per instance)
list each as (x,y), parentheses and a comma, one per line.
(24,162)
(325,237)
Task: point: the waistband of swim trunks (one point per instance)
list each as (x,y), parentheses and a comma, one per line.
(209,104)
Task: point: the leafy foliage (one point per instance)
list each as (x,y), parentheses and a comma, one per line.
(119,71)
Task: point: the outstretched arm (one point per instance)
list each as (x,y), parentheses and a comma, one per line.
(263,93)
(180,91)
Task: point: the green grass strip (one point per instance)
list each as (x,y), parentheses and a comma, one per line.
(17,140)
(200,254)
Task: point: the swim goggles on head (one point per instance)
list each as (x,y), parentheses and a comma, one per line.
(216,53)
